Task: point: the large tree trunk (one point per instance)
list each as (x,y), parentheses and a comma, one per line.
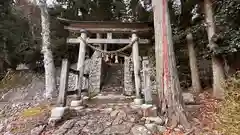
(217,62)
(158,51)
(169,92)
(50,78)
(196,86)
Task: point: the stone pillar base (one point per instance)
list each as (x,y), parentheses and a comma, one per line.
(148,102)
(149,110)
(138,101)
(76,103)
(57,113)
(78,108)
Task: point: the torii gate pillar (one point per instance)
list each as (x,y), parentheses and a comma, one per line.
(80,68)
(136,66)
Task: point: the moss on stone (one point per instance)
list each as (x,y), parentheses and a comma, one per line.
(35,111)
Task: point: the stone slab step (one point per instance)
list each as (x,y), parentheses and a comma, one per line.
(112,96)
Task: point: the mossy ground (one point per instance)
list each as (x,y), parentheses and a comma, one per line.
(228,115)
(30,118)
(35,111)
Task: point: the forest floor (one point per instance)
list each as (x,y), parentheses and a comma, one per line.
(24,112)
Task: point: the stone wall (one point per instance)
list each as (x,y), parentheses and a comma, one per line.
(72,77)
(129,85)
(128,76)
(104,69)
(92,67)
(205,73)
(113,81)
(96,68)
(95,75)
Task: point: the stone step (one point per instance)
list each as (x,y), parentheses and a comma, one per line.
(114,79)
(117,87)
(112,90)
(106,92)
(112,96)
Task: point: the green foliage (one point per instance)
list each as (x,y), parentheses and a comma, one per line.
(228,115)
(14,29)
(103,10)
(86,10)
(14,34)
(97,10)
(58,34)
(138,13)
(182,23)
(228,24)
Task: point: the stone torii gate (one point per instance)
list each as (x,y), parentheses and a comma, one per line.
(86,30)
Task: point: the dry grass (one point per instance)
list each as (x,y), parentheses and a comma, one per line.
(14,79)
(228,116)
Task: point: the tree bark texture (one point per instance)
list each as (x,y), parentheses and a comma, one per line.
(157,6)
(217,64)
(170,94)
(50,78)
(196,85)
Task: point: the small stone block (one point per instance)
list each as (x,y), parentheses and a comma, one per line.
(148,102)
(134,106)
(76,103)
(152,127)
(138,101)
(146,106)
(128,93)
(161,129)
(150,111)
(156,120)
(85,98)
(57,113)
(188,98)
(78,108)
